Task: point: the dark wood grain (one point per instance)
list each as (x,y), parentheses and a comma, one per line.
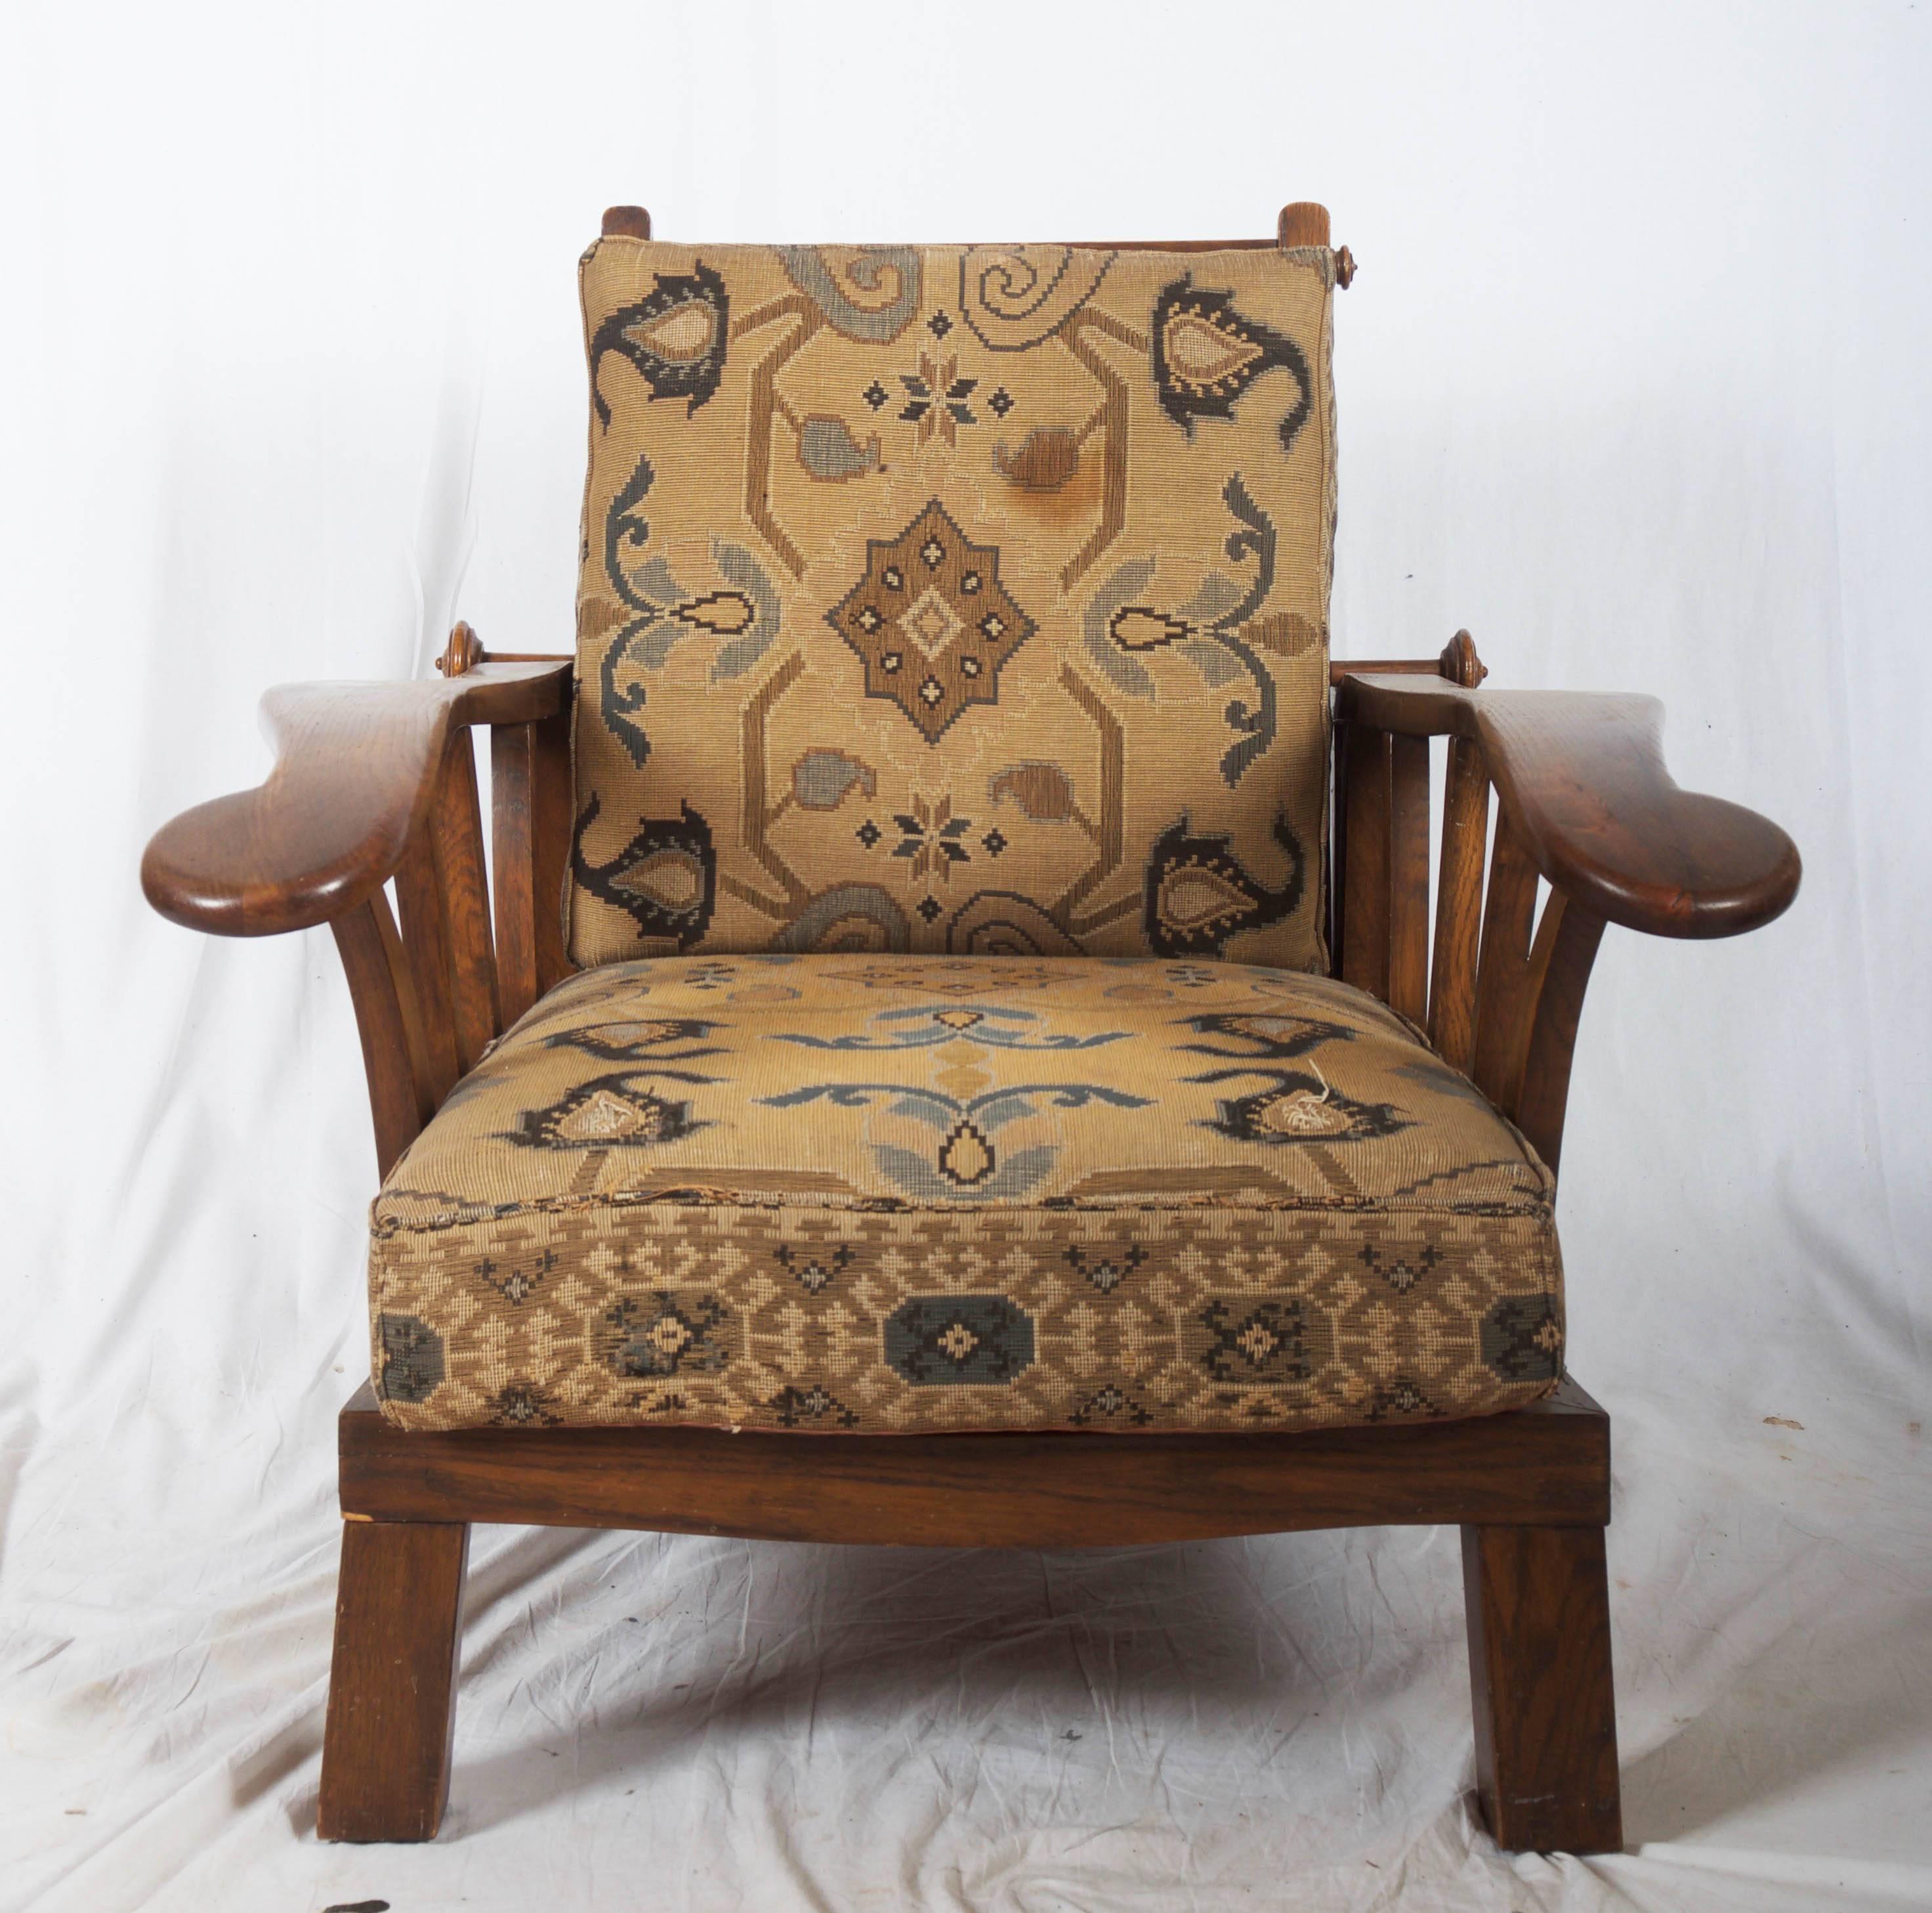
(385,1749)
(531,800)
(1337,822)
(462,651)
(403,1085)
(456,843)
(1538,1607)
(1409,877)
(1459,662)
(552,800)
(1505,978)
(626,222)
(1364,876)
(1548,1464)
(354,779)
(1544,1095)
(1582,777)
(1302,223)
(514,869)
(1459,904)
(425,933)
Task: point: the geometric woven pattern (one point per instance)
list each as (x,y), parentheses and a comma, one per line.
(891,1194)
(954,601)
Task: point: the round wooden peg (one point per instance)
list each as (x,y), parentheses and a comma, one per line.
(1460,664)
(463,653)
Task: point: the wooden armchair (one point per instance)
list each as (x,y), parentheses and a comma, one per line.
(375,792)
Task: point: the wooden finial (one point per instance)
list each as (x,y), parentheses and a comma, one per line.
(1303,223)
(626,222)
(464,652)
(1460,664)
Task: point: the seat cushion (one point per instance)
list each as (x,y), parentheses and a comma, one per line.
(891,1195)
(944,599)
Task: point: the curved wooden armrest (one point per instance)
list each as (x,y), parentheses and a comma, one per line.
(355,773)
(1582,778)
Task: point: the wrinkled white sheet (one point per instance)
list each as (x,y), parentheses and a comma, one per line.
(684,1723)
(1632,381)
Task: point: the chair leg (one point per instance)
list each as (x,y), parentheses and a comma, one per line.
(392,1685)
(1539,1617)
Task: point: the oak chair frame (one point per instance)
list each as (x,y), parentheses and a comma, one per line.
(376,789)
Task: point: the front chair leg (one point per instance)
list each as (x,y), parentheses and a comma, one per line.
(1539,1616)
(392,1684)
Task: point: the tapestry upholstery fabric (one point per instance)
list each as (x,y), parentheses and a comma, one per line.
(896,1195)
(963,600)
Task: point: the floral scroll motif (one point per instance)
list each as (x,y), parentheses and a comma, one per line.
(676,339)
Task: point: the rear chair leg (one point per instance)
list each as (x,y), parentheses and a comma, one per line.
(392,1685)
(1539,1615)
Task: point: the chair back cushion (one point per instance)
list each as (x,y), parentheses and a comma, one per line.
(963,600)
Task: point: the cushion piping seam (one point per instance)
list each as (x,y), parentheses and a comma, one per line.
(383,1228)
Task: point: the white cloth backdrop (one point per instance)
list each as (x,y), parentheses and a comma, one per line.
(1633,382)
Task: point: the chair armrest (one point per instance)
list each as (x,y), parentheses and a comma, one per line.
(1582,778)
(355,773)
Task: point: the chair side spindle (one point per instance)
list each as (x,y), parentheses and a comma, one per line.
(388,1019)
(1459,908)
(1409,877)
(456,838)
(1365,880)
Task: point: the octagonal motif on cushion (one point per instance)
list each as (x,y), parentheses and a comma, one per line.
(938,1341)
(931,621)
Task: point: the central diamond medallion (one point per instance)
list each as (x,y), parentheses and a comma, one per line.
(932,592)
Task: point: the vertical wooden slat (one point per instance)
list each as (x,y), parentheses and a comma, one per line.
(394,1056)
(1503,988)
(510,750)
(1338,839)
(1459,906)
(551,815)
(530,802)
(1544,1096)
(1513,1057)
(1365,921)
(1408,876)
(425,934)
(457,840)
